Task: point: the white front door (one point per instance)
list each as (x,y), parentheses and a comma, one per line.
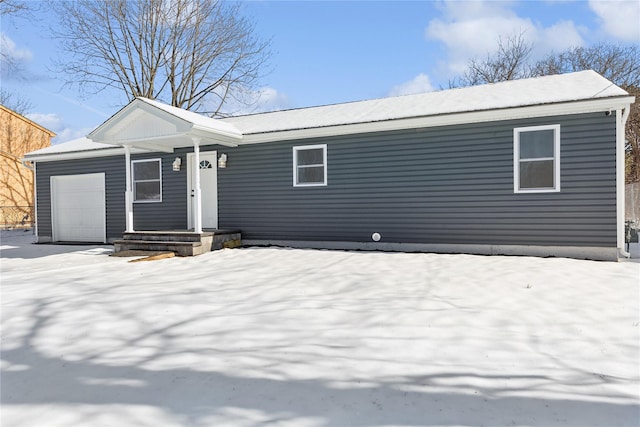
(208,169)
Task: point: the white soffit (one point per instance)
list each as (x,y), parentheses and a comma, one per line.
(156,126)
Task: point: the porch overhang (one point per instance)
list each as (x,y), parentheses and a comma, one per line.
(153,126)
(149,125)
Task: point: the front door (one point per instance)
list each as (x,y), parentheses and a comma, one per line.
(208,185)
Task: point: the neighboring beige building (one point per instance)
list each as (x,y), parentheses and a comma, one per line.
(18,135)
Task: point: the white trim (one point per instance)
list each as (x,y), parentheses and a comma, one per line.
(82,154)
(35,202)
(190,165)
(52,206)
(295,165)
(104,152)
(447,119)
(197,189)
(621,120)
(517,160)
(128,192)
(145,145)
(187,126)
(52,198)
(133,179)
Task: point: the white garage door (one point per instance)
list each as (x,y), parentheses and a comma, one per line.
(78,208)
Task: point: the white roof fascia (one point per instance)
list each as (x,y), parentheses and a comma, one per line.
(86,154)
(190,123)
(104,126)
(219,137)
(198,121)
(167,143)
(149,144)
(555,89)
(564,108)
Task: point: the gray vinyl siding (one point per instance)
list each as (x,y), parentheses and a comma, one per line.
(169,214)
(450,184)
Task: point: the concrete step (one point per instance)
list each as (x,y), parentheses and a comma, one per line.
(167,236)
(183,243)
(180,248)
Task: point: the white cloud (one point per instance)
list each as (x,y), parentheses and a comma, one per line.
(247,101)
(67,134)
(11,57)
(55,123)
(472,29)
(419,84)
(50,121)
(620,19)
(269,99)
(560,36)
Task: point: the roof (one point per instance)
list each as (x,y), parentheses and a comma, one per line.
(76,148)
(80,144)
(196,119)
(572,93)
(514,93)
(28,120)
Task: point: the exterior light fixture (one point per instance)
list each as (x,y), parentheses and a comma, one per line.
(222,161)
(176,164)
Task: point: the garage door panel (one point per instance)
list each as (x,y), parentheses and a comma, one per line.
(78,208)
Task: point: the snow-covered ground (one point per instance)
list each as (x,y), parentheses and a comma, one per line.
(283,337)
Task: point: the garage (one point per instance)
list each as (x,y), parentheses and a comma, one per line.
(78,208)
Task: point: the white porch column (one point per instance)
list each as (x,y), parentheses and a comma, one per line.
(128,194)
(621,120)
(197,193)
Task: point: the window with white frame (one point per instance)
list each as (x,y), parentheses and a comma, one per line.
(147,180)
(536,159)
(310,165)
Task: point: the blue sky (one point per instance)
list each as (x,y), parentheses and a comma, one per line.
(327,52)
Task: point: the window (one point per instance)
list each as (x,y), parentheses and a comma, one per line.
(147,180)
(310,165)
(536,159)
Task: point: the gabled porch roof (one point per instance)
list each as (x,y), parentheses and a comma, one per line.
(152,125)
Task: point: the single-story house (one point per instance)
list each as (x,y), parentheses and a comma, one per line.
(530,167)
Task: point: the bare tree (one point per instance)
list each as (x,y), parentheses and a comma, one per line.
(621,65)
(10,8)
(192,54)
(509,62)
(10,65)
(632,147)
(618,63)
(13,7)
(15,102)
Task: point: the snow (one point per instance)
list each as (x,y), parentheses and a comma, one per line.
(555,89)
(198,120)
(80,144)
(583,85)
(289,337)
